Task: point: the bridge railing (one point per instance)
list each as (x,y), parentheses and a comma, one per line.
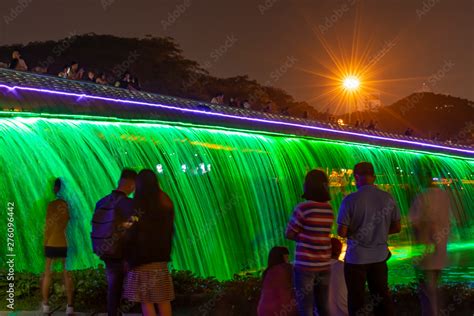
(45,83)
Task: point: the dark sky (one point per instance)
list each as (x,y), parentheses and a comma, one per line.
(411,41)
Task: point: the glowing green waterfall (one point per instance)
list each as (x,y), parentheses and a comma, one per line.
(233,191)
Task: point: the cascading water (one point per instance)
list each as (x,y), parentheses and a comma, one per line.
(233,191)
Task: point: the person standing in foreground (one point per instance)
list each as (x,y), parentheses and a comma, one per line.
(148,248)
(55,247)
(277,295)
(337,284)
(429,215)
(111,219)
(310,226)
(366,218)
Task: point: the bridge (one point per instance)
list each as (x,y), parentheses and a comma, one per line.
(23,93)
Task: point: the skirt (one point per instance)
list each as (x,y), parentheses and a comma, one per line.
(149,283)
(55,252)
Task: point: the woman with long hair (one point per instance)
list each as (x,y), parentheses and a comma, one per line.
(277,296)
(148,248)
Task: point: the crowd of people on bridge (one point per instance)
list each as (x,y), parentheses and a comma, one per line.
(133,236)
(372,125)
(126,80)
(73,71)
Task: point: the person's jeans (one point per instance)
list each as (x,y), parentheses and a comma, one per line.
(311,291)
(115,270)
(376,275)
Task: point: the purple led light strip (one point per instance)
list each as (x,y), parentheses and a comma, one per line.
(243,118)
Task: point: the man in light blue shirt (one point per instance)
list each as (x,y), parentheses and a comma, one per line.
(366,218)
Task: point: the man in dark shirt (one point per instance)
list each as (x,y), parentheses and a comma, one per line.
(120,206)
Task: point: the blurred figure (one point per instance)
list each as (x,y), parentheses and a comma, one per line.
(238,103)
(135,84)
(113,215)
(73,72)
(337,284)
(429,215)
(366,218)
(91,76)
(218,99)
(55,247)
(102,79)
(125,82)
(277,285)
(18,63)
(310,226)
(80,74)
(269,107)
(371,125)
(39,70)
(63,73)
(232,102)
(148,248)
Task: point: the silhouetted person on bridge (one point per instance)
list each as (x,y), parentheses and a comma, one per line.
(18,63)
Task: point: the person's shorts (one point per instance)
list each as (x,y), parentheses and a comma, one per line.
(55,252)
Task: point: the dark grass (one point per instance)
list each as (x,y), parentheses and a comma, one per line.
(204,296)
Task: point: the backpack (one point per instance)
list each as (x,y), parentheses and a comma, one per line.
(107,236)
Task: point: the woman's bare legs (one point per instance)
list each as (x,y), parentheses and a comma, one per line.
(148,309)
(68,284)
(45,284)
(165,308)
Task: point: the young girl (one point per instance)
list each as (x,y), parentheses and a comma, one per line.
(277,297)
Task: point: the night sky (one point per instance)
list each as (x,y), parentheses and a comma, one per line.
(275,41)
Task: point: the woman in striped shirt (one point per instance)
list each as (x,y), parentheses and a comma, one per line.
(310,226)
